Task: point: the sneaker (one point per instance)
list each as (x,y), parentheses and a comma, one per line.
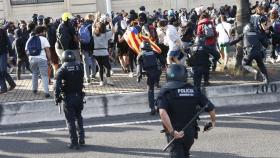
(130,74)
(153,112)
(109,81)
(12,87)
(82,142)
(73,146)
(97,74)
(111,72)
(47,95)
(101,83)
(2,92)
(34,91)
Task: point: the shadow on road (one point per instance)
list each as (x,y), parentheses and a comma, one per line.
(200,154)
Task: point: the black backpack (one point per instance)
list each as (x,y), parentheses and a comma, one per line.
(34,46)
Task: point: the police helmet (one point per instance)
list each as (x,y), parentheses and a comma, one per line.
(176,72)
(66,16)
(146,45)
(68,56)
(249,28)
(262,20)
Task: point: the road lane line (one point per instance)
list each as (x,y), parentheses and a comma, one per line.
(131,123)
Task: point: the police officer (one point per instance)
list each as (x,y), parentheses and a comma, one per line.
(147,61)
(178,102)
(70,83)
(199,61)
(253,42)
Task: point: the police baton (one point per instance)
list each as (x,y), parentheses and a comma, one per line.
(186,126)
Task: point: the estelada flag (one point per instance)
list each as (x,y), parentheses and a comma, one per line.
(134,39)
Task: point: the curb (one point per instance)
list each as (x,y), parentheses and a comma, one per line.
(128,103)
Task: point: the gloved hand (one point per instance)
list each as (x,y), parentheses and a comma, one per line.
(207,127)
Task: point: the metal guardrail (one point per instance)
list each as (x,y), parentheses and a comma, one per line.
(25,2)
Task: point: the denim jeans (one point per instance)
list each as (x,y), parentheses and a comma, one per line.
(39,67)
(4,76)
(86,60)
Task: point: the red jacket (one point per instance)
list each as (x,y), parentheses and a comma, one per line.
(200,31)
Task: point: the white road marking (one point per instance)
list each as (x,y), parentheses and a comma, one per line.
(131,123)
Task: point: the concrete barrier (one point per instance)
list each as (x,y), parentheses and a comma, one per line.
(244,94)
(121,104)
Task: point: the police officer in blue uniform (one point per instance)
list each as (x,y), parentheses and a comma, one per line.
(69,84)
(147,61)
(253,42)
(199,61)
(178,102)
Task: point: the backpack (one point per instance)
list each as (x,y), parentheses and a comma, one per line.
(208,30)
(84,34)
(34,46)
(276,27)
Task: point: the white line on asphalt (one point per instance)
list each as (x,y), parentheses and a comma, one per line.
(131,123)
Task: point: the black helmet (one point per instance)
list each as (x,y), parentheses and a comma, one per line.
(262,19)
(68,56)
(249,28)
(176,72)
(146,45)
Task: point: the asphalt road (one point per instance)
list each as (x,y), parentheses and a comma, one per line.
(245,132)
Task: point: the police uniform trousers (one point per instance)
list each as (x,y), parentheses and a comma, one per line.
(152,78)
(258,57)
(198,73)
(73,106)
(181,147)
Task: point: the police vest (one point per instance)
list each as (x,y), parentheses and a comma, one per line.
(149,60)
(182,105)
(251,42)
(72,78)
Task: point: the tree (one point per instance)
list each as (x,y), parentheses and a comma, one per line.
(242,17)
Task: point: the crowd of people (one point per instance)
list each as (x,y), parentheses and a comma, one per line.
(100,39)
(72,49)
